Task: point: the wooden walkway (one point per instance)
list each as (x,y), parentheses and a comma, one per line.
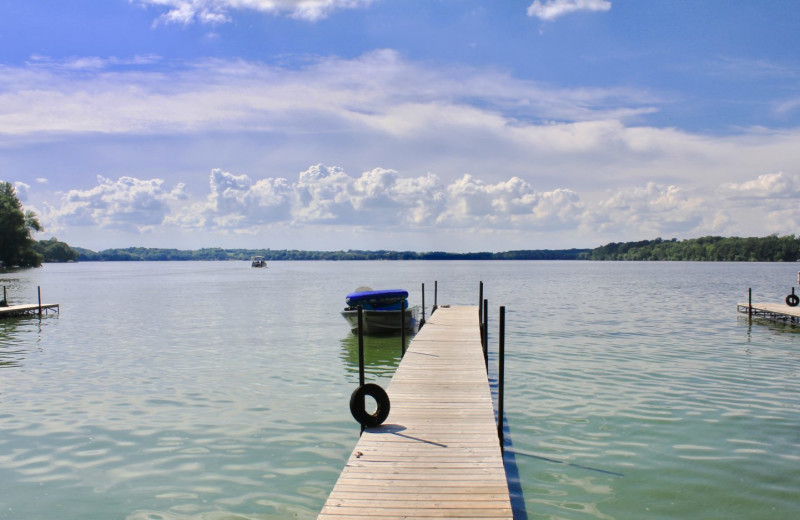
(19,310)
(438,454)
(772,311)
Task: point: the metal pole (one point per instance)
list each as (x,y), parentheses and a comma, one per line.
(486,334)
(39,290)
(435,296)
(402,329)
(501,374)
(480,310)
(422,322)
(361,356)
(750,302)
(360,345)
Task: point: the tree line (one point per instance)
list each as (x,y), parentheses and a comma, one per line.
(218,254)
(772,248)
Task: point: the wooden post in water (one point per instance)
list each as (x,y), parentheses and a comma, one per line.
(39,290)
(501,374)
(750,303)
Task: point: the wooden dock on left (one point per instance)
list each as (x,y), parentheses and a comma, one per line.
(21,310)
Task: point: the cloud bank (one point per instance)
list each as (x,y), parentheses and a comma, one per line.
(329,200)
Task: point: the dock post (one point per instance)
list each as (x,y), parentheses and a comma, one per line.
(361,353)
(402,330)
(485,339)
(422,322)
(750,303)
(435,296)
(360,345)
(480,310)
(501,373)
(39,290)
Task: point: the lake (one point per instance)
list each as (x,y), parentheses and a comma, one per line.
(211,390)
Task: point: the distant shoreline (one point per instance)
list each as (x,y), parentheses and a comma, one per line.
(771,248)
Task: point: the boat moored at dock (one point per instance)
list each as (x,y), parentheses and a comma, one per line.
(381,310)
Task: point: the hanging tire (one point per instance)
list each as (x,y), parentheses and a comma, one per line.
(366,419)
(792,300)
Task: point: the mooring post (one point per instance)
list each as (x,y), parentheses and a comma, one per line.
(486,334)
(435,296)
(501,374)
(39,290)
(360,345)
(750,303)
(402,329)
(480,310)
(363,404)
(422,322)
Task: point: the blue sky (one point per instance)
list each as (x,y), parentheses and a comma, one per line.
(384,124)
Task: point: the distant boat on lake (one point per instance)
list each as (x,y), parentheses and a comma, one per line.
(258,261)
(381,310)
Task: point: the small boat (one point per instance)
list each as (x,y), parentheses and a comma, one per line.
(258,261)
(381,310)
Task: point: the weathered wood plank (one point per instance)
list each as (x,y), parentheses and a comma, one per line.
(437,455)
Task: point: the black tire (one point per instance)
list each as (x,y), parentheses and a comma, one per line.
(792,300)
(369,420)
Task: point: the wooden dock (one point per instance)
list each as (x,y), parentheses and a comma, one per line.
(771,311)
(437,455)
(21,310)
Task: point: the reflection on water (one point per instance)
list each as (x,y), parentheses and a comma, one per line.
(382,354)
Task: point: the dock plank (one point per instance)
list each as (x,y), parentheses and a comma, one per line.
(437,455)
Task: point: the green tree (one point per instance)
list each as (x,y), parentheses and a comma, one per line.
(16,225)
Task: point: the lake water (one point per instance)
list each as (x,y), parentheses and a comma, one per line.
(210,390)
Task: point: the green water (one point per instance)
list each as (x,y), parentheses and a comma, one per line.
(217,391)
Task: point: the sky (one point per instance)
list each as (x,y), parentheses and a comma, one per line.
(423,125)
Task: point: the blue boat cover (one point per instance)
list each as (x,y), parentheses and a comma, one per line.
(376,297)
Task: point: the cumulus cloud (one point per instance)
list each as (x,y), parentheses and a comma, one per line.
(378,199)
(128,204)
(768,186)
(552,9)
(648,210)
(382,201)
(186,12)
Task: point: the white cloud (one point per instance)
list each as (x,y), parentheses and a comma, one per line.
(186,12)
(768,186)
(128,203)
(21,190)
(377,91)
(650,210)
(326,200)
(552,9)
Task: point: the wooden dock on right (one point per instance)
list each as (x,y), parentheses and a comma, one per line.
(771,311)
(437,455)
